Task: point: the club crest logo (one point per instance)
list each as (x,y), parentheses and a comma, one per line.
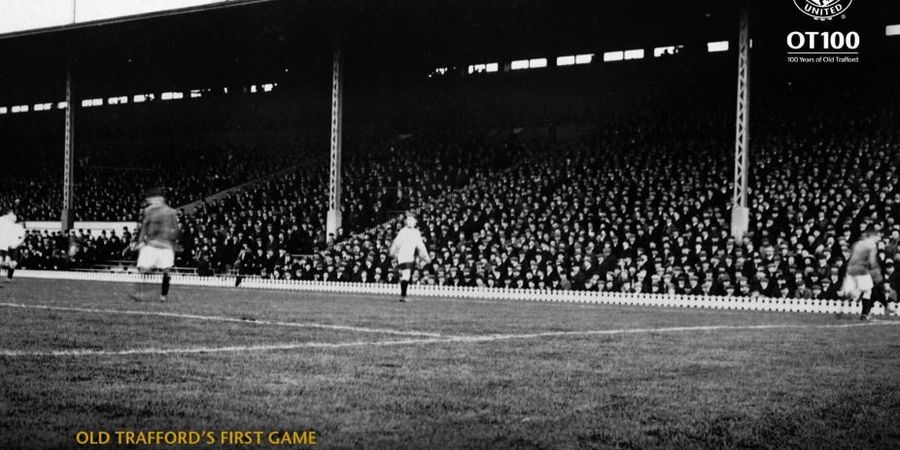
(823,9)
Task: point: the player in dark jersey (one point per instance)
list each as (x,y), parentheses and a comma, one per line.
(156,242)
(863,272)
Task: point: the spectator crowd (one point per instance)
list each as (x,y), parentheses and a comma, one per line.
(110,188)
(642,205)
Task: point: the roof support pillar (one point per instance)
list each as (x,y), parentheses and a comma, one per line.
(67,216)
(740,211)
(333,220)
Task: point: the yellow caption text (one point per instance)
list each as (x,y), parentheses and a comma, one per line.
(198,438)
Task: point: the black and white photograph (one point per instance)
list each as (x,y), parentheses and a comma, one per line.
(450,224)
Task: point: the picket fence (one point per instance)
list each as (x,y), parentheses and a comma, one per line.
(512,295)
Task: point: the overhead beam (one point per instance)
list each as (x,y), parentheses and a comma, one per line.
(75,24)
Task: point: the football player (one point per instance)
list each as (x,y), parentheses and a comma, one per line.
(12,234)
(156,241)
(863,271)
(405,247)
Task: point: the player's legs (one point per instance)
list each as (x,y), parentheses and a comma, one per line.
(165,261)
(144,275)
(405,277)
(8,261)
(11,264)
(865,285)
(146,263)
(165,286)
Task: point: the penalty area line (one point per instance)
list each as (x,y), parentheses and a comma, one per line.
(321,326)
(422,341)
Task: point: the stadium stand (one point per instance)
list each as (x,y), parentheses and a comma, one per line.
(644,208)
(111,189)
(638,203)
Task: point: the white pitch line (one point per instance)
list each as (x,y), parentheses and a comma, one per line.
(227,319)
(681,329)
(441,340)
(229,349)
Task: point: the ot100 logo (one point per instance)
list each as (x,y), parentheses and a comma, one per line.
(823,41)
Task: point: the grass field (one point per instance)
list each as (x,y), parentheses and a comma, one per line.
(439,373)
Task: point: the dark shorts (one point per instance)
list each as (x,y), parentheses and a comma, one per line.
(404,266)
(12,254)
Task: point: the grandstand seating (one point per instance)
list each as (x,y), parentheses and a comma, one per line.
(639,204)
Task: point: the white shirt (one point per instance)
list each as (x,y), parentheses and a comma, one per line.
(11,233)
(406,243)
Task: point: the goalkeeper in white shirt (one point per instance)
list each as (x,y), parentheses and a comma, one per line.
(405,246)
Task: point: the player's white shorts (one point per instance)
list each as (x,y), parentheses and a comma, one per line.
(155,258)
(6,260)
(854,285)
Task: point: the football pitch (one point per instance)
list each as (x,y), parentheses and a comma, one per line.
(367,371)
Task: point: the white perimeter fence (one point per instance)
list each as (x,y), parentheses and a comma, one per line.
(512,295)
